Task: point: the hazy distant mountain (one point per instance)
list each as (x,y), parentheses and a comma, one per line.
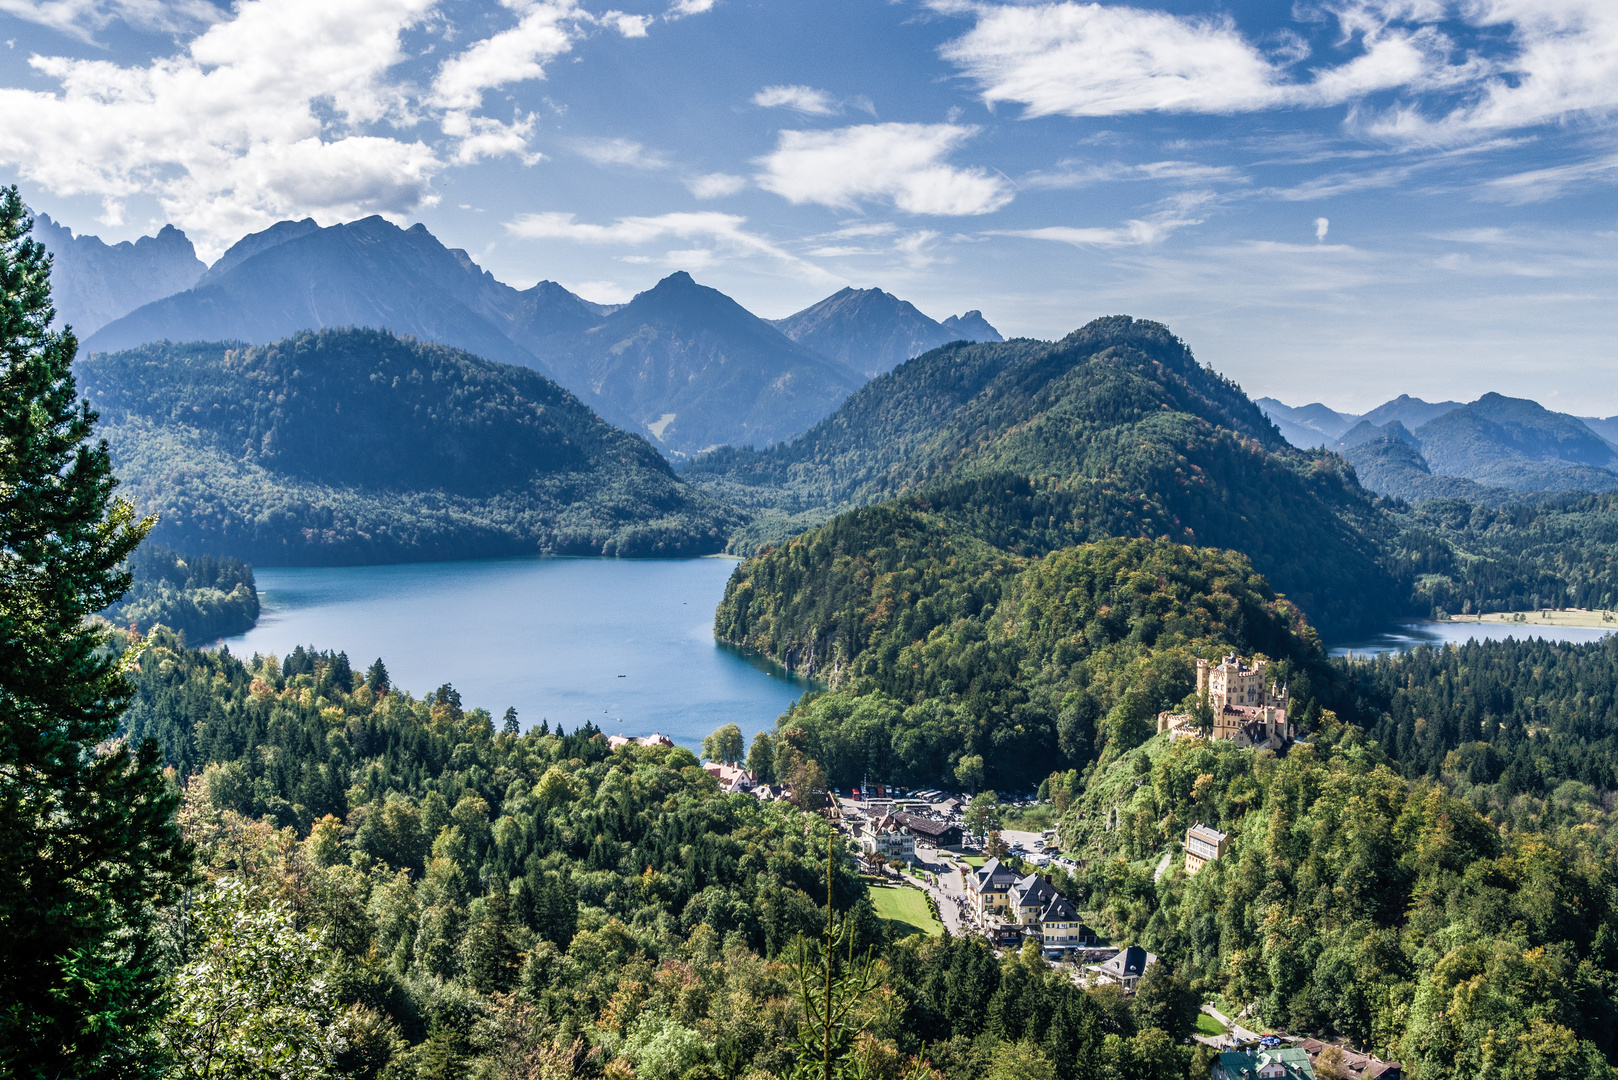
(93,283)
(1307,426)
(1606,427)
(365,273)
(694,369)
(1365,431)
(1517,443)
(873,331)
(971,326)
(1491,451)
(1390,465)
(1409,411)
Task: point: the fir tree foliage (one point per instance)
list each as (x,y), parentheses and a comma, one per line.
(87,843)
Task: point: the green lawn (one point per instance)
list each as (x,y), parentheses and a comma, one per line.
(905,907)
(1207,1025)
(974,860)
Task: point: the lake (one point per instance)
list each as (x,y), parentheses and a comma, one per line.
(1407,636)
(627,643)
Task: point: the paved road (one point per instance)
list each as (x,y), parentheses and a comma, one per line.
(1232,1028)
(949,891)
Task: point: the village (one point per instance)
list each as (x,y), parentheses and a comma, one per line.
(987,881)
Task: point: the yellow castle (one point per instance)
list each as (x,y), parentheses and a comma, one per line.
(1249,709)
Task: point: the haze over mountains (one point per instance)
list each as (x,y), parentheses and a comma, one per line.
(93,283)
(1490,451)
(682,364)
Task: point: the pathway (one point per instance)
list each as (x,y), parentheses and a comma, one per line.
(949,891)
(1232,1028)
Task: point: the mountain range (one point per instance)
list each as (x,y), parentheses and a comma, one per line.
(871,330)
(680,363)
(1490,451)
(93,283)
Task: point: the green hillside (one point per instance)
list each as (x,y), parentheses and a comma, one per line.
(1115,430)
(354,446)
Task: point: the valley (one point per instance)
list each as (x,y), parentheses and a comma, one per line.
(1089,574)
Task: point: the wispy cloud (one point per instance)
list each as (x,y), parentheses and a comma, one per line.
(1074,59)
(1074,174)
(680,9)
(622,152)
(804,99)
(1132,233)
(809,101)
(899,163)
(724,231)
(81,19)
(1537,185)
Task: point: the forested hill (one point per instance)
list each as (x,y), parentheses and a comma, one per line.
(953,662)
(1115,430)
(351,446)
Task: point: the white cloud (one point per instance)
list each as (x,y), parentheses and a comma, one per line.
(1133,233)
(681,8)
(715,185)
(723,231)
(901,163)
(481,137)
(1322,225)
(1565,66)
(263,117)
(631,26)
(1077,59)
(513,55)
(277,109)
(804,99)
(623,152)
(1087,60)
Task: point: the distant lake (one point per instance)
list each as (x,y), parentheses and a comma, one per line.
(1407,636)
(566,640)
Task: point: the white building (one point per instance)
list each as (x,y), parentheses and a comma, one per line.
(1203,844)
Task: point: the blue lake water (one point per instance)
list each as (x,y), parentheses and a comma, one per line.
(1408,636)
(626,643)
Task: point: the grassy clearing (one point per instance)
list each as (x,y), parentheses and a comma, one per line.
(1207,1025)
(1559,617)
(1029,818)
(905,907)
(974,860)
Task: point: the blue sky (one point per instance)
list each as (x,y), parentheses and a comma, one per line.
(1337,201)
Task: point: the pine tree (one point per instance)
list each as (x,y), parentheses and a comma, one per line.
(510,725)
(88,842)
